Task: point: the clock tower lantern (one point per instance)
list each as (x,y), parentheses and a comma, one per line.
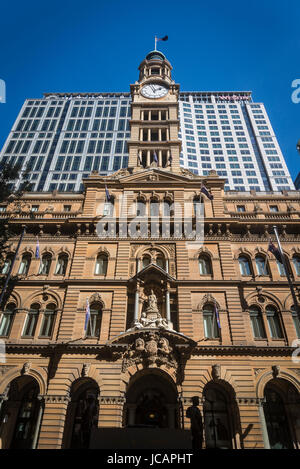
(154,120)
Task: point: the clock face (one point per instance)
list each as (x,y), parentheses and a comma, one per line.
(154,90)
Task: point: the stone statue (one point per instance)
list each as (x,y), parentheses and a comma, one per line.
(152,303)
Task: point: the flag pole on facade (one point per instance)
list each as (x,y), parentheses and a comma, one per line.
(287,273)
(12,265)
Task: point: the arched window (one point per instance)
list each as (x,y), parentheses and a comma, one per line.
(211,330)
(7,264)
(45,264)
(296,320)
(48,320)
(140,208)
(274,322)
(296,262)
(25,264)
(94,324)
(197,203)
(154,208)
(146,260)
(160,261)
(167,207)
(261,265)
(31,320)
(216,419)
(101,264)
(62,263)
(244,264)
(257,323)
(204,265)
(7,319)
(281,268)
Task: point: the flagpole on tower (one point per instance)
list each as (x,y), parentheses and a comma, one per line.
(155,43)
(287,273)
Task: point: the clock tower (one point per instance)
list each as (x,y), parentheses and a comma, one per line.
(154,121)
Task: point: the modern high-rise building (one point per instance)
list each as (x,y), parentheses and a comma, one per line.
(64,136)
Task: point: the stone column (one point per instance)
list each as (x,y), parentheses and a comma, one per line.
(168,309)
(171,415)
(136,303)
(53,422)
(167,266)
(38,423)
(131,413)
(148,158)
(149,135)
(263,424)
(159,135)
(160,158)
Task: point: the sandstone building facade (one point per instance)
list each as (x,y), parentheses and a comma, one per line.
(170,317)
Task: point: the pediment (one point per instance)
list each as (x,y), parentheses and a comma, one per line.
(153,175)
(155,269)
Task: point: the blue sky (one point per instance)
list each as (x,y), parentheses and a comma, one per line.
(90,46)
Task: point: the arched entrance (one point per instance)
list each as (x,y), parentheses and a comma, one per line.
(151,401)
(221,419)
(281,410)
(82,414)
(21,414)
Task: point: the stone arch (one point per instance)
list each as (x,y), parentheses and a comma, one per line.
(252,297)
(101,250)
(82,412)
(35,295)
(243,251)
(288,302)
(96,298)
(26,250)
(204,251)
(38,374)
(208,298)
(269,376)
(133,370)
(146,249)
(14,297)
(152,398)
(228,415)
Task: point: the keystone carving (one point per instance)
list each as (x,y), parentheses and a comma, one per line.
(216,372)
(26,368)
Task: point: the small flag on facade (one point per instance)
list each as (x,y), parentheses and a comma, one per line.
(275,251)
(165,38)
(217,316)
(37,249)
(206,192)
(87,314)
(155,157)
(107,193)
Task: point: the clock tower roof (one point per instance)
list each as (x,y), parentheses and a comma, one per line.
(155,55)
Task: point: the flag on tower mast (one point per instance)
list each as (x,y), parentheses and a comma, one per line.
(165,38)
